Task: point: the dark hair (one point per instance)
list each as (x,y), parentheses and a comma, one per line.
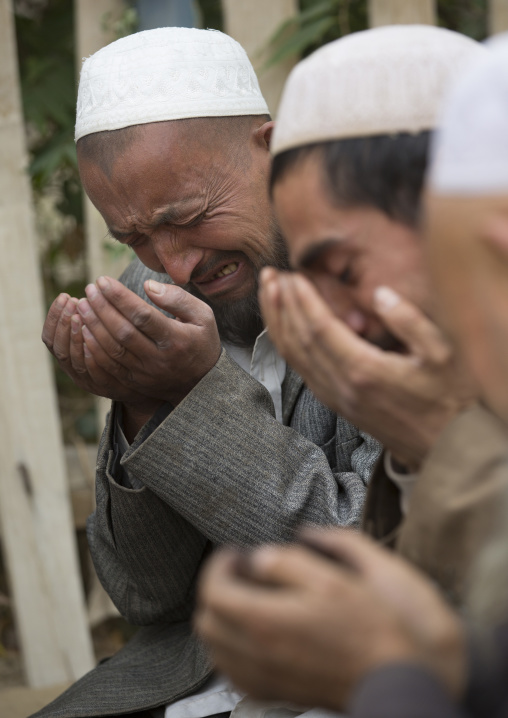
(385,171)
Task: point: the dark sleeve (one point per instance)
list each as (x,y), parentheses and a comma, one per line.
(487,690)
(403,691)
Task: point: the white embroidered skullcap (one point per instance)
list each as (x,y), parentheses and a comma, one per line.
(470,150)
(381,81)
(170,73)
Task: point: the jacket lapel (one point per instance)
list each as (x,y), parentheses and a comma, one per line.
(291,387)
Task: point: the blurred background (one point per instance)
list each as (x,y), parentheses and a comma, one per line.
(69,247)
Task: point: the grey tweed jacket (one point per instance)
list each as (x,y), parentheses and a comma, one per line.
(218,469)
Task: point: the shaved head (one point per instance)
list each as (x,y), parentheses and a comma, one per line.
(230,133)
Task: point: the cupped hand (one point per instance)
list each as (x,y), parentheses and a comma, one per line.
(403,400)
(154,355)
(63,335)
(294,625)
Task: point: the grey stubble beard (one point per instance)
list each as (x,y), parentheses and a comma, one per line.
(240,321)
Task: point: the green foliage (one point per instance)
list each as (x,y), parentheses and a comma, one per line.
(118,27)
(316,24)
(466,16)
(48,90)
(321,21)
(211,13)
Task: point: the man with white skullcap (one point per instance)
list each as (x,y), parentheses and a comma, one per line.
(369,633)
(211,439)
(346,186)
(467,209)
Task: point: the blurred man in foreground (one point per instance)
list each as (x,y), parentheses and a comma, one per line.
(356,627)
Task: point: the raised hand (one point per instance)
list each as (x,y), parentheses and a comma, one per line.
(114,344)
(403,400)
(154,355)
(62,334)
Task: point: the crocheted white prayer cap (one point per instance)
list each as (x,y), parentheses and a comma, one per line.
(380,81)
(470,151)
(170,73)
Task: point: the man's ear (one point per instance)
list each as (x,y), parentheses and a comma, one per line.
(494,235)
(263,134)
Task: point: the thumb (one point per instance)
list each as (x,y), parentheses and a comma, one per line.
(410,325)
(178,302)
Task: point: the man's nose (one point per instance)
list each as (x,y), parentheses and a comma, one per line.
(179,263)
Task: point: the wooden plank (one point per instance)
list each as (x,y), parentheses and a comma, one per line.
(401,12)
(38,536)
(92,33)
(252,24)
(498,16)
(104,256)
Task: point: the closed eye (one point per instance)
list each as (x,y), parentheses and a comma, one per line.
(195,221)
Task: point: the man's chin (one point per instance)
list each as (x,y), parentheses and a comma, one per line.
(238,318)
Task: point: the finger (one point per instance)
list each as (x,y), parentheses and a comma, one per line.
(344,545)
(315,325)
(119,338)
(219,568)
(62,337)
(93,349)
(52,319)
(101,378)
(76,355)
(269,302)
(248,605)
(178,302)
(385,571)
(293,567)
(422,337)
(147,320)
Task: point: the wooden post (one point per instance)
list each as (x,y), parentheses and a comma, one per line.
(91,35)
(401,12)
(252,24)
(103,256)
(498,16)
(38,536)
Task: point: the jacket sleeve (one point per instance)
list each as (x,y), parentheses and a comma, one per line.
(219,469)
(402,691)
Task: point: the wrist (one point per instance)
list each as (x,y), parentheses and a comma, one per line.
(135,416)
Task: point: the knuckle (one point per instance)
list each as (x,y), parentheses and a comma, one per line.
(442,354)
(142,316)
(319,329)
(208,314)
(60,355)
(118,351)
(125,333)
(361,377)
